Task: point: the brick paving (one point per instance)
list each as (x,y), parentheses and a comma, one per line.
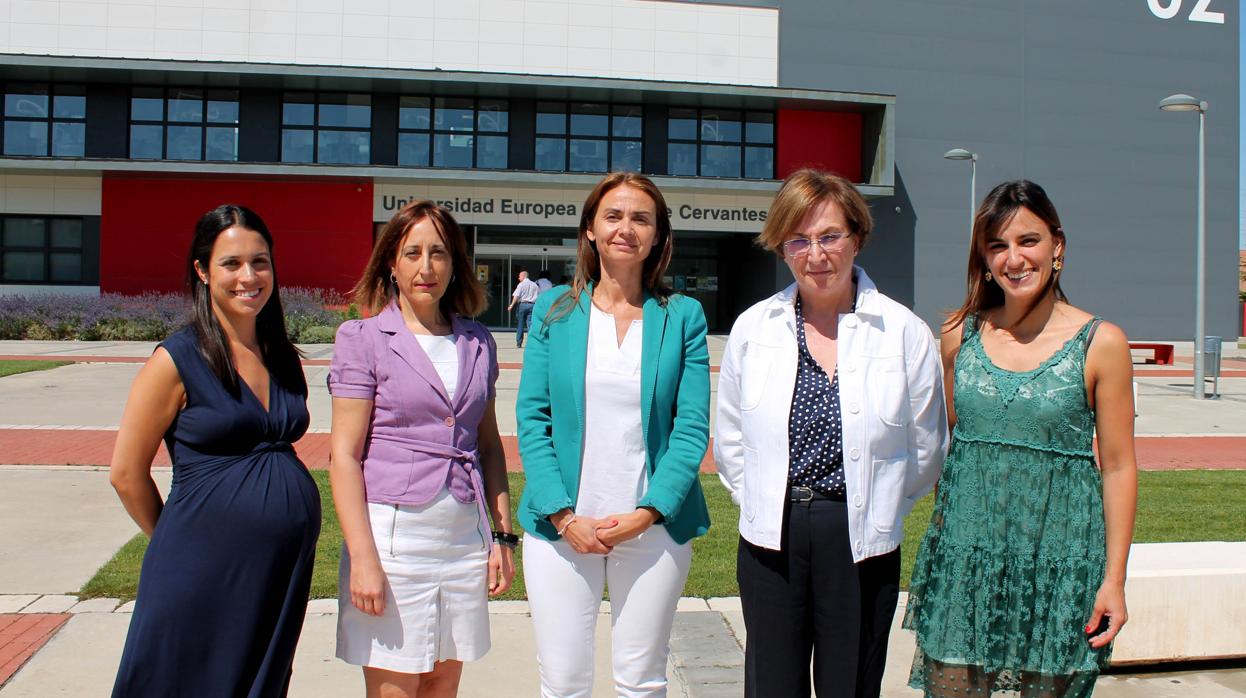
(21,635)
(94,447)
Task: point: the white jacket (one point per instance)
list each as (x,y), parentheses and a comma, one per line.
(894,418)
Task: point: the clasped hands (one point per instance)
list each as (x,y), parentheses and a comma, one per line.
(588,535)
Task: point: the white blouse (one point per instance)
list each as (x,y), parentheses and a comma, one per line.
(444,355)
(612,469)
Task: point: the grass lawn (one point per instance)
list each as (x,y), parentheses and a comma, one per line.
(1172,507)
(8,368)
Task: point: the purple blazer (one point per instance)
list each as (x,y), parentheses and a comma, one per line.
(418,440)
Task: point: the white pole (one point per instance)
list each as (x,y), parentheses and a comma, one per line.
(1200,263)
(973,189)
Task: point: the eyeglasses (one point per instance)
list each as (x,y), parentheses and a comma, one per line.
(798,247)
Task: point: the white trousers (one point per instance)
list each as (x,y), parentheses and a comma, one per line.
(645,576)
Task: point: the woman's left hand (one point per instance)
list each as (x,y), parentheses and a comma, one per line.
(501,569)
(1109,603)
(629,526)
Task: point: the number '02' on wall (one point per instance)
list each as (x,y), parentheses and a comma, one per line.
(1167,9)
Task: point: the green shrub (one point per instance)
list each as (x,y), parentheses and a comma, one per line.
(317,334)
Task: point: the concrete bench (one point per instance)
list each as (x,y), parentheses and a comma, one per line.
(1187,601)
(1160,353)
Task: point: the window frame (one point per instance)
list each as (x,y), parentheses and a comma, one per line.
(47,249)
(315,128)
(164,123)
(743,144)
(475,133)
(52,90)
(566,136)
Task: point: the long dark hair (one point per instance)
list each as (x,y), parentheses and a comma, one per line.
(465,295)
(588,261)
(996,211)
(280,355)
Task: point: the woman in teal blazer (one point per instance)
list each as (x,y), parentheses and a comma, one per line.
(613,414)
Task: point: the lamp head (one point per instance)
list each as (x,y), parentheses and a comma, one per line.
(960,154)
(1181,102)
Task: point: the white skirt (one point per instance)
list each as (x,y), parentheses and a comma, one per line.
(436,599)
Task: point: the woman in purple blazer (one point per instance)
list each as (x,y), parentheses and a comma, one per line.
(417,463)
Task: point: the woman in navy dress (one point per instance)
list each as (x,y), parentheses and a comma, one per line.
(225,579)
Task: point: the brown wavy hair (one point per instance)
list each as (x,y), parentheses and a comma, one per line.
(801,192)
(995,213)
(465,295)
(588,261)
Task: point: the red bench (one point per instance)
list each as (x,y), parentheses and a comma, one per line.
(1160,353)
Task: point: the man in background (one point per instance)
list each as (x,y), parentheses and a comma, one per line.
(524,296)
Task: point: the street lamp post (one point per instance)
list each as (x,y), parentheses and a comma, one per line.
(962,154)
(1183,102)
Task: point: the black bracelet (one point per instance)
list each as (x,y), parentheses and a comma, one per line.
(510,540)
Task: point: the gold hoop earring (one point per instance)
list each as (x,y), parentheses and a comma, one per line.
(1057,265)
(393,279)
(988,276)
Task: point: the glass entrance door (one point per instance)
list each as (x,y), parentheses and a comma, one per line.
(498,267)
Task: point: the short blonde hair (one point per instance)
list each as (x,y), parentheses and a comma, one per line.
(803,190)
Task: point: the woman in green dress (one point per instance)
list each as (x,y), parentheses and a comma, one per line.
(1020,581)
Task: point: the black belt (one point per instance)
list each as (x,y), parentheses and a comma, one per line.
(800,493)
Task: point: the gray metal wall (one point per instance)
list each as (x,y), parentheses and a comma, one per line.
(1063,92)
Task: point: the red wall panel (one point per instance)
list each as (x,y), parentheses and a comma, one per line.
(322,230)
(823,139)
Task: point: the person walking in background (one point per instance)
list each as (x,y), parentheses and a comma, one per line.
(225,577)
(524,296)
(1019,583)
(542,281)
(417,463)
(830,425)
(613,414)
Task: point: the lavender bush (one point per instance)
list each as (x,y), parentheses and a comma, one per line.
(151,316)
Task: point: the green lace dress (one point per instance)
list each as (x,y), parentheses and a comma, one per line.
(1007,573)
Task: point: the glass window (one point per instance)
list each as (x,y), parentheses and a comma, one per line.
(759,128)
(551,154)
(712,143)
(42,120)
(453,114)
(25,232)
(168,124)
(627,122)
(23,266)
(493,116)
(413,149)
(41,249)
(551,118)
(26,138)
(330,128)
(452,150)
(758,163)
(185,143)
(625,156)
(66,232)
(491,152)
(297,145)
(146,142)
(343,147)
(720,161)
(588,155)
(66,266)
(720,126)
(589,120)
(681,159)
(346,110)
(414,113)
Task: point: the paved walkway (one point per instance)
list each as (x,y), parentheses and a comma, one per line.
(61,522)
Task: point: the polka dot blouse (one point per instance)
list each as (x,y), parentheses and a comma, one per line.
(815,426)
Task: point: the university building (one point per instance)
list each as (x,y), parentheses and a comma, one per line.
(123,121)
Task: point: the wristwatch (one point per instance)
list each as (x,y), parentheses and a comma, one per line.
(510,540)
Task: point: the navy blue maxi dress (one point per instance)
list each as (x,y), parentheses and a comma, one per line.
(225,579)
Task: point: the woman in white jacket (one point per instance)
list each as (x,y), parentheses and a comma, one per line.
(831,424)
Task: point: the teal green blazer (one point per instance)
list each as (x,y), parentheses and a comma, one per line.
(674,402)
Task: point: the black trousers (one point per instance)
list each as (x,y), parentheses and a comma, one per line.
(811,601)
